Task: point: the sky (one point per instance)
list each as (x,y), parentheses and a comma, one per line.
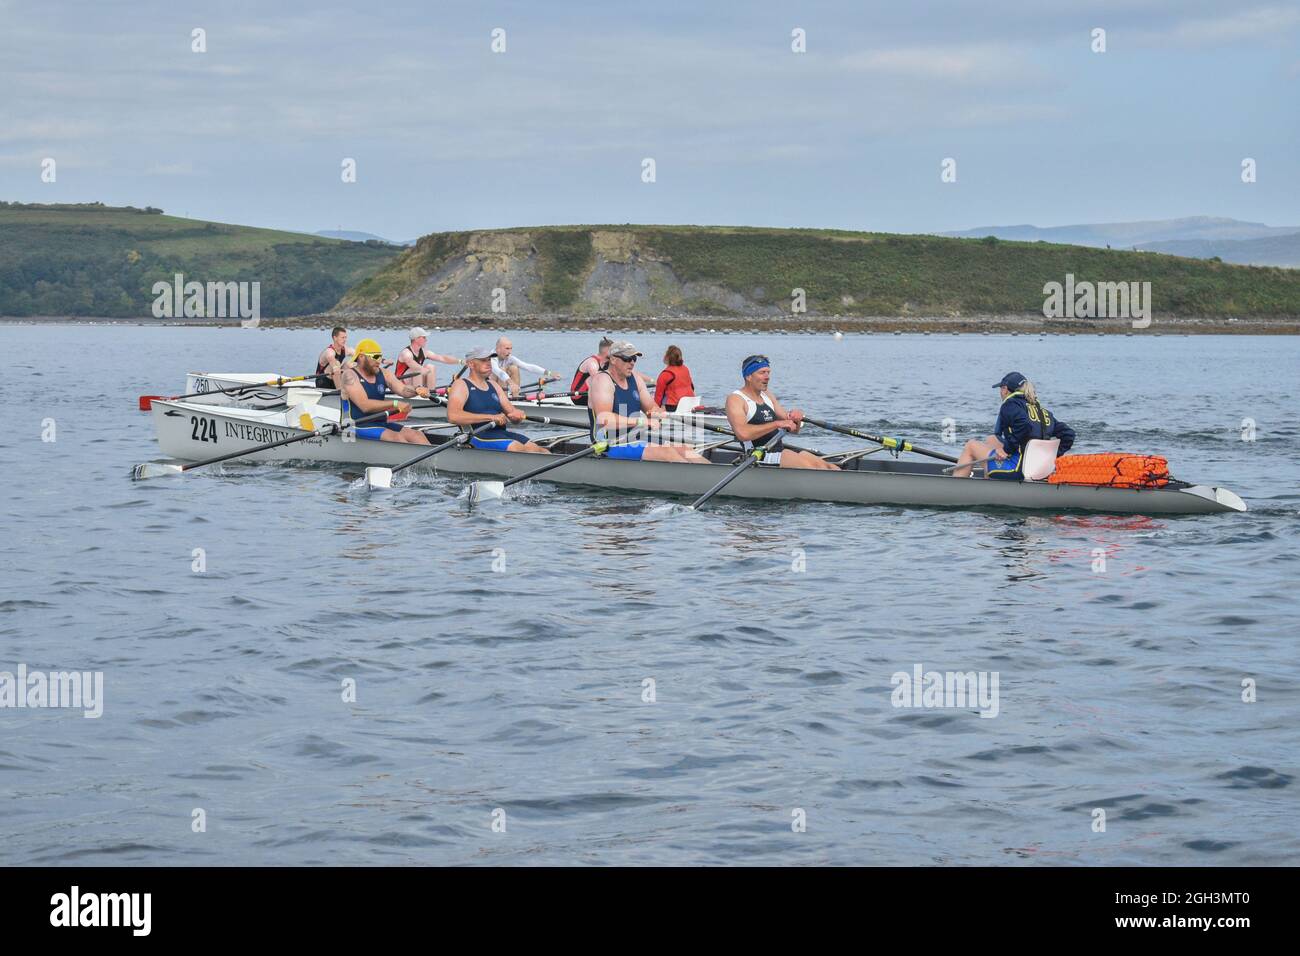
(851,134)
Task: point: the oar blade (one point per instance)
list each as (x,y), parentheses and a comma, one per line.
(154,469)
(485,490)
(146,402)
(377,477)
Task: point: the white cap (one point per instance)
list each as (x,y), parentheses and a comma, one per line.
(417,332)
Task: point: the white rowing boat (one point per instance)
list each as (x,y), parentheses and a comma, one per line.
(254,392)
(193,431)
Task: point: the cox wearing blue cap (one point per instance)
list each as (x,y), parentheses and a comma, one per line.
(1021,419)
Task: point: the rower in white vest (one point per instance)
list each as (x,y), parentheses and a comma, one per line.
(760,421)
(506,367)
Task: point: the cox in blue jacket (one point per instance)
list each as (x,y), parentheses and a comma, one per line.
(1020,421)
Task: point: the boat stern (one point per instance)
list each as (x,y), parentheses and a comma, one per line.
(1229,499)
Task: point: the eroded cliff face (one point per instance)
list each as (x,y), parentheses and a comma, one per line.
(509,272)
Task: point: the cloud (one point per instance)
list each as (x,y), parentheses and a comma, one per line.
(31,160)
(1005,114)
(958,62)
(171,169)
(49,130)
(1261,23)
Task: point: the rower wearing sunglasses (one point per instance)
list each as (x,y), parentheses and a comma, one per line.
(760,421)
(365,390)
(476,399)
(620,405)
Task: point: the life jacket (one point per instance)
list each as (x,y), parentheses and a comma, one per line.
(679,386)
(1011,466)
(323,380)
(581,381)
(402,368)
(1113,470)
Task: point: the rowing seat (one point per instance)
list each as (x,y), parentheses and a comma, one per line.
(687,404)
(1040,458)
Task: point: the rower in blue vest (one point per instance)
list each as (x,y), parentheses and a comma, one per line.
(365,387)
(1021,419)
(476,399)
(620,410)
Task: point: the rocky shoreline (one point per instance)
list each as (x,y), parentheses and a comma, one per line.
(784,325)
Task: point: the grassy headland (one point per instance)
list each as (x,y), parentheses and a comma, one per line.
(731,271)
(95,260)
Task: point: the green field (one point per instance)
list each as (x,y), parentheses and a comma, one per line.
(92,260)
(867,274)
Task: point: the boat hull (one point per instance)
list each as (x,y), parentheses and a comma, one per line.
(192,431)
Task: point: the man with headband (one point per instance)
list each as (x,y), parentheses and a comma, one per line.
(760,421)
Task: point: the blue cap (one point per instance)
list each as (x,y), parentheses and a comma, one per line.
(1012,380)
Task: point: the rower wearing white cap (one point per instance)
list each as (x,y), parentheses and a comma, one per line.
(507,366)
(413,359)
(760,421)
(619,403)
(475,399)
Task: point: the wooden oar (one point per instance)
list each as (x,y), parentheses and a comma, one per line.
(153,469)
(479,490)
(896,444)
(752,459)
(146,401)
(380,477)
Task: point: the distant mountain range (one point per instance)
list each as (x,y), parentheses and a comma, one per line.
(1198,237)
(1268,251)
(351,236)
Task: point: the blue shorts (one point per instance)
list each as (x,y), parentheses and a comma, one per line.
(630,452)
(498,439)
(1005,469)
(372,432)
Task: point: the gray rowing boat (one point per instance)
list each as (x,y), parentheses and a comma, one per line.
(190,431)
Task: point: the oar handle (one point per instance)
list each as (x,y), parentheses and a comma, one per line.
(541,420)
(710,427)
